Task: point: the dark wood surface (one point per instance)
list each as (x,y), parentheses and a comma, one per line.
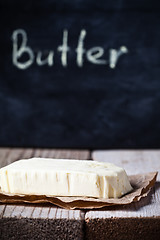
(134,221)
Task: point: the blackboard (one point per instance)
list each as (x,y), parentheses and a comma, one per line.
(80,74)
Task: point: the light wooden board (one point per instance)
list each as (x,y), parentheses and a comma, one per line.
(70,223)
(141,218)
(133,161)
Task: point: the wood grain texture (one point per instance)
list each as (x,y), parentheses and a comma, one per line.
(133,161)
(139,220)
(28,221)
(8,155)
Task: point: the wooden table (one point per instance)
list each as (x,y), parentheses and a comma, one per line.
(135,221)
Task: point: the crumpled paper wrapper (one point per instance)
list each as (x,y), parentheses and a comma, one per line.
(141,183)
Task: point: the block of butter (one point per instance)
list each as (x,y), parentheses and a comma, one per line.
(61,177)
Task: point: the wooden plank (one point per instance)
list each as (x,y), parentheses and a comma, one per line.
(2,209)
(58,226)
(40,211)
(28,221)
(139,220)
(134,162)
(8,155)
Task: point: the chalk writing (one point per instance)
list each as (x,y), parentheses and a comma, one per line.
(114,55)
(80,50)
(93,55)
(18,52)
(64,48)
(48,60)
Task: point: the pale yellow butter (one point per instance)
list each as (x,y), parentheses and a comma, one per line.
(61,177)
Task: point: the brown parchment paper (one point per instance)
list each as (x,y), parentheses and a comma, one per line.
(141,183)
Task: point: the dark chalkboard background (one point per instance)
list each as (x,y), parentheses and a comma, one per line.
(89,107)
